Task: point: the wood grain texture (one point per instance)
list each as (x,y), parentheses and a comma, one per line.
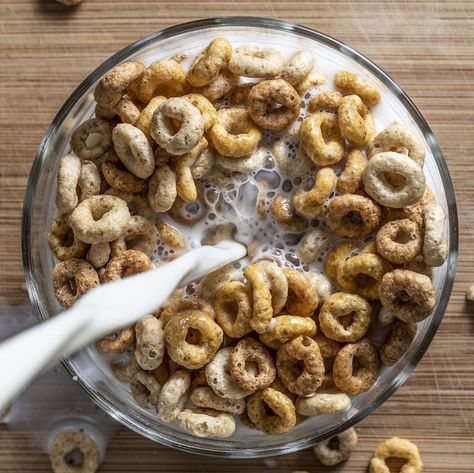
(46,49)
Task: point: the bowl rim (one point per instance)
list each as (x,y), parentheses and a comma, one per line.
(259,22)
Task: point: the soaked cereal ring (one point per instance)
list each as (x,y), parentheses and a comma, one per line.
(336,257)
(298,166)
(312,244)
(240,93)
(173,396)
(351,179)
(189,355)
(234,134)
(99,254)
(378,187)
(255,61)
(310,203)
(398,342)
(71,279)
(283,214)
(355,121)
(326,100)
(360,379)
(92,139)
(245,165)
(300,365)
(116,343)
(117,175)
(282,418)
(342,304)
(206,397)
(220,86)
(210,283)
(145,389)
(408,295)
(68,178)
(206,423)
(285,328)
(324,403)
(150,348)
(136,204)
(302,299)
(170,235)
(263,100)
(124,371)
(208,111)
(396,448)
(62,241)
(162,190)
(127,263)
(186,304)
(140,235)
(356,85)
(435,248)
(321,284)
(347,441)
(352,216)
(313,79)
(270,291)
(298,67)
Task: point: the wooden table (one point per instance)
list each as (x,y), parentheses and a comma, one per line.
(46,49)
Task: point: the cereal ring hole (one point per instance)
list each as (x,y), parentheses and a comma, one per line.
(393,179)
(93,139)
(395,464)
(353,218)
(193,336)
(333,443)
(74,458)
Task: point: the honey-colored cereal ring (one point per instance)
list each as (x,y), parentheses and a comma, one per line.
(173,396)
(210,283)
(89,180)
(347,441)
(325,101)
(126,263)
(116,343)
(145,118)
(312,244)
(127,110)
(408,295)
(285,328)
(351,179)
(206,423)
(435,248)
(117,175)
(355,120)
(69,172)
(356,85)
(62,241)
(240,93)
(92,139)
(185,304)
(352,216)
(283,214)
(337,256)
(220,86)
(329,349)
(208,111)
(321,138)
(234,134)
(206,397)
(302,299)
(140,235)
(324,403)
(399,340)
(298,67)
(321,284)
(342,304)
(162,190)
(313,79)
(78,271)
(396,448)
(145,389)
(170,235)
(354,381)
(255,61)
(136,204)
(150,337)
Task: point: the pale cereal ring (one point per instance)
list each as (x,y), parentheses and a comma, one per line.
(89,180)
(263,100)
(173,396)
(396,448)
(206,423)
(321,284)
(127,263)
(325,101)
(208,111)
(356,85)
(99,254)
(297,166)
(352,216)
(117,175)
(145,118)
(385,317)
(206,397)
(209,62)
(329,349)
(351,179)
(360,379)
(162,190)
(408,295)
(378,187)
(245,165)
(203,163)
(234,134)
(286,327)
(321,138)
(435,248)
(116,343)
(150,348)
(255,61)
(220,86)
(313,79)
(312,244)
(302,299)
(298,67)
(99,218)
(71,279)
(355,121)
(63,243)
(140,235)
(324,403)
(240,93)
(170,235)
(342,304)
(280,421)
(300,365)
(69,172)
(400,338)
(347,441)
(145,389)
(283,214)
(92,139)
(210,283)
(337,256)
(136,204)
(185,304)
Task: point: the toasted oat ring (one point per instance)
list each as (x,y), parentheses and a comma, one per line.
(220,86)
(321,138)
(145,389)
(286,327)
(351,179)
(186,304)
(208,111)
(126,263)
(137,205)
(255,61)
(361,274)
(355,120)
(99,254)
(283,417)
(140,235)
(170,235)
(396,448)
(302,298)
(99,218)
(337,256)
(206,423)
(342,304)
(92,139)
(249,350)
(379,188)
(329,349)
(209,339)
(150,337)
(283,214)
(210,283)
(207,398)
(324,403)
(300,365)
(128,110)
(263,99)
(347,441)
(313,79)
(116,343)
(312,244)
(245,165)
(173,396)
(325,101)
(399,241)
(62,241)
(321,284)
(240,94)
(352,216)
(299,165)
(117,175)
(145,118)
(298,67)
(408,295)
(162,190)
(354,381)
(89,180)
(69,172)
(399,340)
(71,279)
(356,85)
(234,134)
(435,248)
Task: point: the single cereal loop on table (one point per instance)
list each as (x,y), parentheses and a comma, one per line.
(321,284)
(245,165)
(208,111)
(69,172)
(324,403)
(66,443)
(399,340)
(351,179)
(145,389)
(117,175)
(435,248)
(247,351)
(71,279)
(206,397)
(224,83)
(206,423)
(313,79)
(325,101)
(281,211)
(150,337)
(162,191)
(241,92)
(336,257)
(170,235)
(234,134)
(285,328)
(361,274)
(270,292)
(92,139)
(116,343)
(263,100)
(343,304)
(396,448)
(408,295)
(140,235)
(283,417)
(352,216)
(321,138)
(355,121)
(312,244)
(302,298)
(145,118)
(329,349)
(310,203)
(127,263)
(99,254)
(300,365)
(184,304)
(351,82)
(255,61)
(173,396)
(379,188)
(298,67)
(360,379)
(209,62)
(89,180)
(137,204)
(62,242)
(328,456)
(208,340)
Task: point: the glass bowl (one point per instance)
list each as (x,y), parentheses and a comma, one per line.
(91,372)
